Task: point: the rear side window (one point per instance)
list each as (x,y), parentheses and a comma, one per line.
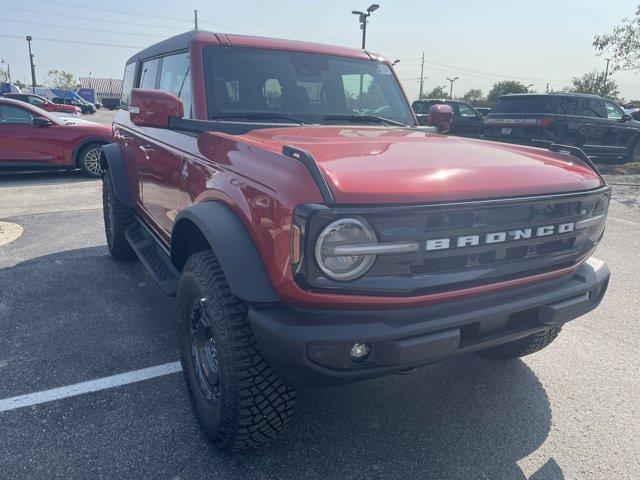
(562,105)
(422,107)
(592,107)
(149,73)
(175,78)
(518,105)
(10,115)
(127,84)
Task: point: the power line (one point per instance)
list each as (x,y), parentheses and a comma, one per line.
(43,39)
(84,29)
(101,20)
(118,12)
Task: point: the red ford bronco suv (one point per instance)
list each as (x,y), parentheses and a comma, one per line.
(315,235)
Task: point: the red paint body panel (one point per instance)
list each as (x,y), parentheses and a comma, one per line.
(56,144)
(363,165)
(370,165)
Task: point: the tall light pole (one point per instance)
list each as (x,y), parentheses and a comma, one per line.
(33,67)
(8,70)
(451,80)
(606,74)
(363,17)
(529,86)
(395,62)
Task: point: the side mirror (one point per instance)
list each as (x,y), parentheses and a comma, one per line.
(153,108)
(440,116)
(626,118)
(41,122)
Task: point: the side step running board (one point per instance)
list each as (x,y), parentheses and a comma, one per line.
(154,257)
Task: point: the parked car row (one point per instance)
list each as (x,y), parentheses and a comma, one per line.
(598,126)
(33,137)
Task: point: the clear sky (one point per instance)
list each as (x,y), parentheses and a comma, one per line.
(534,41)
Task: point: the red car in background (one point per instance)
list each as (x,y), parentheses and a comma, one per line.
(31,137)
(43,103)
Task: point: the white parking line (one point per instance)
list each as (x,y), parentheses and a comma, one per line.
(88,387)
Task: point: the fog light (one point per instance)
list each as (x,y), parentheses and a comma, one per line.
(360,352)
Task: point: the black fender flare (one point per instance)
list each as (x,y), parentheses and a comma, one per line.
(233,246)
(113,165)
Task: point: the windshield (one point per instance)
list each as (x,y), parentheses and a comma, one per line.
(309,86)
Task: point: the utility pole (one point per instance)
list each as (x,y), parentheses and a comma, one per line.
(422,78)
(606,74)
(451,80)
(195,19)
(363,18)
(33,67)
(8,70)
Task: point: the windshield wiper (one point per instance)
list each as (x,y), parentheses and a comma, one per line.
(261,116)
(364,118)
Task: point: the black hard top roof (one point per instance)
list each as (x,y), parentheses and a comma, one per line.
(555,94)
(172,44)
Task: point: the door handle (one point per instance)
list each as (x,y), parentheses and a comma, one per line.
(147,150)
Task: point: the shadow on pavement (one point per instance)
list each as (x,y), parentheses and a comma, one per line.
(467,418)
(27,177)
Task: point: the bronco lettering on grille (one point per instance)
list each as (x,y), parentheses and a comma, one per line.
(499,237)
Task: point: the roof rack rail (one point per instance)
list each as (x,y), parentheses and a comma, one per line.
(578,153)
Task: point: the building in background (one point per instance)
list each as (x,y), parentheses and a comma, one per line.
(104,88)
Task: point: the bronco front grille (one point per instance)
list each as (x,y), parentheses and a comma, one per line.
(457,267)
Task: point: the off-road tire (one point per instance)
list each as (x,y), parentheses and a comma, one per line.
(117,217)
(251,405)
(89,159)
(525,346)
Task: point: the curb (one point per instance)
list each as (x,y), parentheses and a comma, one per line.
(623,179)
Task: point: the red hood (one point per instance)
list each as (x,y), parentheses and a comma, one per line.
(383,165)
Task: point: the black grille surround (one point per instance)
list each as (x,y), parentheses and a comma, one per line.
(424,272)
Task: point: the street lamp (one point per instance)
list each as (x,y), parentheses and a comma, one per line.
(451,80)
(529,86)
(8,69)
(33,67)
(363,16)
(395,62)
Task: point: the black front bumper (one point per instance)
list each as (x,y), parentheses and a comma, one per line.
(311,347)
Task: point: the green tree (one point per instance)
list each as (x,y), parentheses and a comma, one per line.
(475,97)
(623,44)
(438,92)
(60,79)
(504,88)
(4,76)
(594,83)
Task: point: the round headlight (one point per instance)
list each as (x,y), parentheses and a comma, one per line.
(346,233)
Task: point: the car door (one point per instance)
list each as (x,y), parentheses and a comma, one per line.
(467,121)
(159,162)
(21,142)
(594,125)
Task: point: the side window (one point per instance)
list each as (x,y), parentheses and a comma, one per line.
(613,111)
(35,101)
(149,73)
(175,78)
(420,107)
(592,108)
(562,105)
(466,111)
(127,84)
(10,115)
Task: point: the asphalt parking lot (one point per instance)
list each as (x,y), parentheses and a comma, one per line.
(69,313)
